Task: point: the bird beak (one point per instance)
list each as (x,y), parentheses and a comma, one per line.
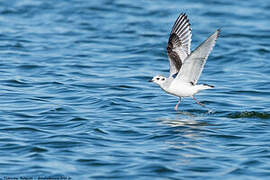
(150,80)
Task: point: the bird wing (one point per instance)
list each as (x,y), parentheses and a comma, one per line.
(193,65)
(179,43)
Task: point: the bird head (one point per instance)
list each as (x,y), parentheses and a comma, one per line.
(159,80)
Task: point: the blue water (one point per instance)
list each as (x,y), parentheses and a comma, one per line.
(75,101)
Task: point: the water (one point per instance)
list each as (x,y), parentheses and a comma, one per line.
(75,101)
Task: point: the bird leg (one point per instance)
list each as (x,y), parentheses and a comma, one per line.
(176,106)
(198,101)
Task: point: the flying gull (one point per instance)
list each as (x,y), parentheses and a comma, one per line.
(185,66)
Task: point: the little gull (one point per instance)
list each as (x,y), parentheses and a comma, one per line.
(185,66)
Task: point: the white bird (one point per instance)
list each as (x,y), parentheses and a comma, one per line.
(185,66)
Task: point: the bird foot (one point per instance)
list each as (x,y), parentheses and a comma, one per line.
(198,102)
(176,106)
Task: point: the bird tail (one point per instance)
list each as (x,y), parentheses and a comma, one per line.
(205,86)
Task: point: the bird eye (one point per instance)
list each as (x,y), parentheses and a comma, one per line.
(163,79)
(157,78)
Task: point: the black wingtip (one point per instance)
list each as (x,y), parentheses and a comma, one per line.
(183,14)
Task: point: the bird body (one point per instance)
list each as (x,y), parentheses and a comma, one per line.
(181,88)
(184,89)
(185,66)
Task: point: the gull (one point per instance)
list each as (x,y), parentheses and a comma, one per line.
(185,66)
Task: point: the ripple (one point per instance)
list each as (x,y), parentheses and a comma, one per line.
(38,149)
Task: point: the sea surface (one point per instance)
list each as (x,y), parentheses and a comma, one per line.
(75,102)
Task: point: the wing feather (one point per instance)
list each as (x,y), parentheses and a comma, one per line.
(179,42)
(193,65)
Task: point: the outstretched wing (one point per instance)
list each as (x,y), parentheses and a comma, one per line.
(179,43)
(193,65)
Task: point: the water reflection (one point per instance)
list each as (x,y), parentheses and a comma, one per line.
(187,119)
